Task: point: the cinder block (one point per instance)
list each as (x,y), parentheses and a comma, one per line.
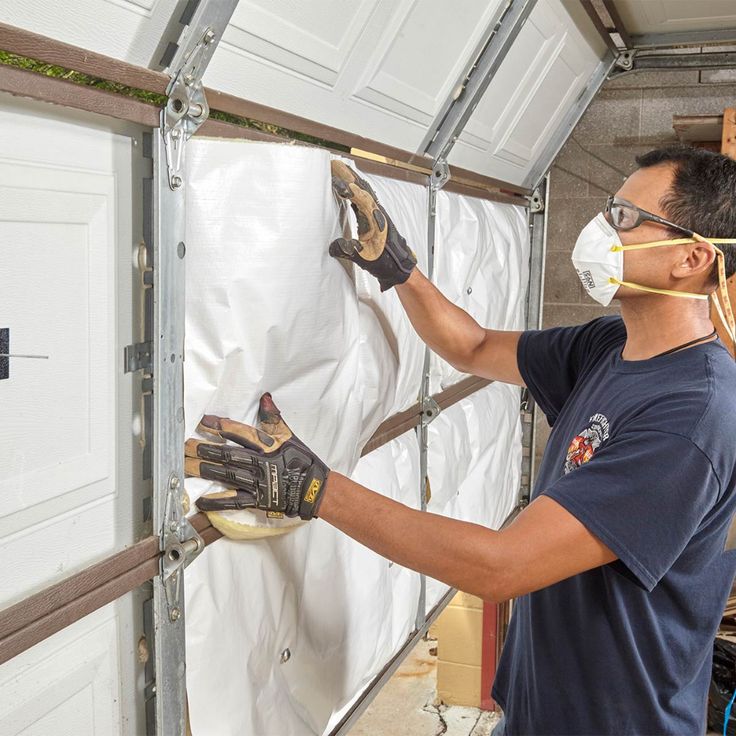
(613,117)
(458,684)
(561,283)
(567,218)
(556,315)
(660,105)
(459,635)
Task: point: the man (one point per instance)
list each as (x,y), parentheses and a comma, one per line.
(618,563)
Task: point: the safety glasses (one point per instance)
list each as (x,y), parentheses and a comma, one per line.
(623,215)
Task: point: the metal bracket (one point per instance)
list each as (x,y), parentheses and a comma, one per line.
(138,357)
(440,174)
(430,410)
(536,202)
(180,544)
(625,60)
(187,108)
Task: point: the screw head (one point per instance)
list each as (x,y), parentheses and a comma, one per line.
(174,483)
(175,614)
(176,133)
(209,37)
(173,526)
(176,181)
(285,655)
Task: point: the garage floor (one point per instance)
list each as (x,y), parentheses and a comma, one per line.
(406,705)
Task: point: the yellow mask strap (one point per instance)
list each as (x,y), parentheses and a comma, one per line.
(675,241)
(726,314)
(651,289)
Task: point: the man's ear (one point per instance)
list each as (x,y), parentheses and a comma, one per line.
(694,260)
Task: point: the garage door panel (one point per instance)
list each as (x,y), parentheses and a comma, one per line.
(126,29)
(310,39)
(421,58)
(67,685)
(63,244)
(537,84)
(672,16)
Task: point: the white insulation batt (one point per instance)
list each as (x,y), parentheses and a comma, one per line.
(286,629)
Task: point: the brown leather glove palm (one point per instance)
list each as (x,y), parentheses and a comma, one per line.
(380,249)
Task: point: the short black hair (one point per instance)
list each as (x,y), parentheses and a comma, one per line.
(703,194)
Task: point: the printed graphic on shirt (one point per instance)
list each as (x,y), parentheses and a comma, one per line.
(585,443)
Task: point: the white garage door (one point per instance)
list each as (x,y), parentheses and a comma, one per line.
(68,472)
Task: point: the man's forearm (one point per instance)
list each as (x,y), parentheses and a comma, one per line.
(448,330)
(456,552)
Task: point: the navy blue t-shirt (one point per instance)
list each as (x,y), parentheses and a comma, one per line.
(643,453)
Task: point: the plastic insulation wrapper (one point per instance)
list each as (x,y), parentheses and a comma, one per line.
(284,632)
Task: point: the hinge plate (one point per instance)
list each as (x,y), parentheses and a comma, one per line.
(180,543)
(440,174)
(138,357)
(536,202)
(187,108)
(430,410)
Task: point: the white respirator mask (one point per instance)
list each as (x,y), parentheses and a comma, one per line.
(600,267)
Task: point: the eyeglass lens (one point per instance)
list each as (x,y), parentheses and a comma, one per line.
(621,216)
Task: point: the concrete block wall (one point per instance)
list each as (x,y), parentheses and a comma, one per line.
(629,116)
(459,631)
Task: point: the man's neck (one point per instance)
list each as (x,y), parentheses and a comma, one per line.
(657,323)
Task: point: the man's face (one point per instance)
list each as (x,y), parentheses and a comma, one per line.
(652,266)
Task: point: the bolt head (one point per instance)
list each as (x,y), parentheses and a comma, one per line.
(209,37)
(173,526)
(175,614)
(174,483)
(176,181)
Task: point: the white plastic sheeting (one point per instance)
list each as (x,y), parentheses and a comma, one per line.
(268,309)
(482,265)
(474,462)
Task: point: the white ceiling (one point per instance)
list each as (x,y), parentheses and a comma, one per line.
(672,16)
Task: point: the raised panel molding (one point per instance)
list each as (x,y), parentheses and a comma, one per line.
(143,7)
(271,33)
(437,37)
(125,29)
(66,241)
(67,684)
(57,226)
(538,82)
(656,16)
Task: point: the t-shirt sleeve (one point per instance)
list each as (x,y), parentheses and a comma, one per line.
(644,496)
(551,361)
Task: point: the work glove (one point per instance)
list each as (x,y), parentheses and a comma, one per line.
(379,249)
(267,468)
